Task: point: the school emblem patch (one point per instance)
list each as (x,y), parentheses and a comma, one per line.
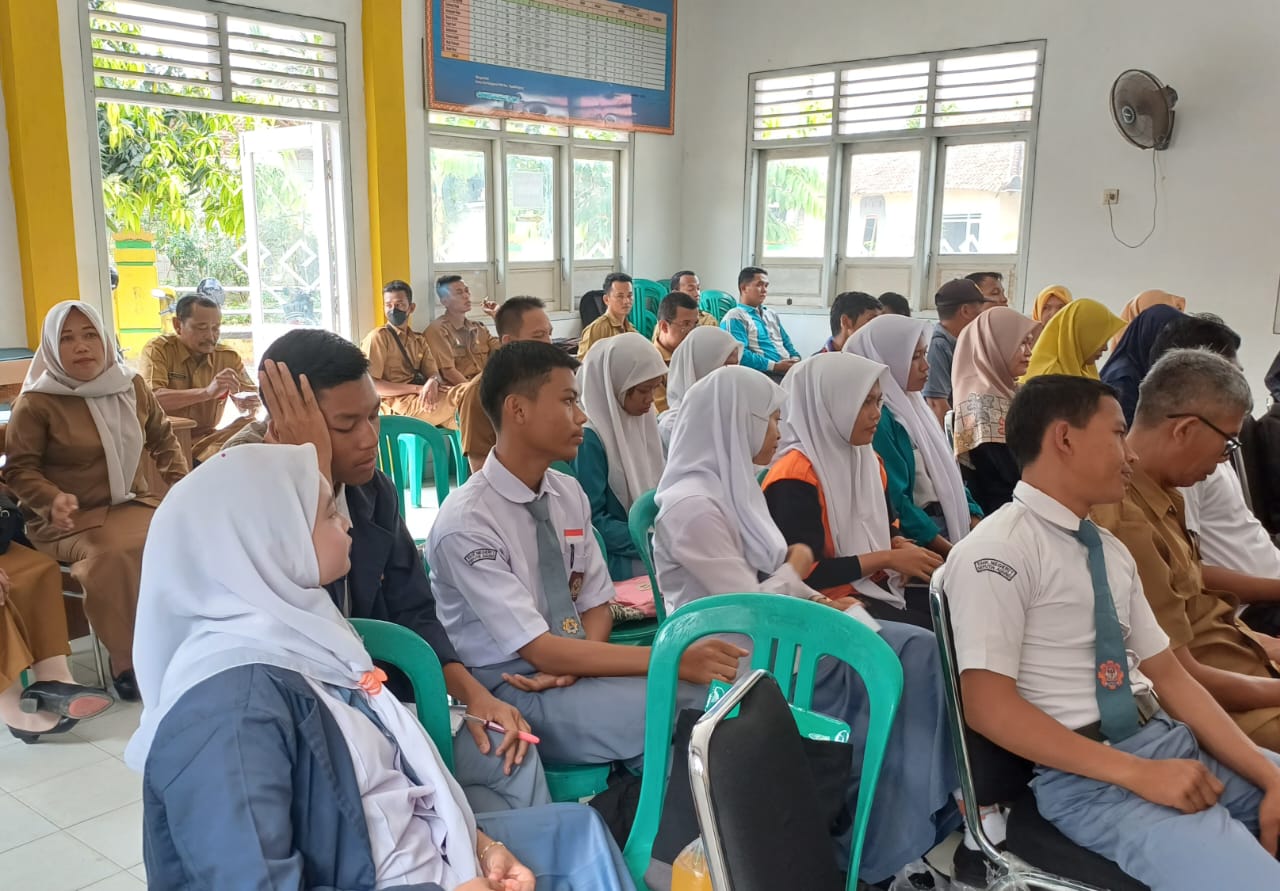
(575,584)
(571,626)
(1110,675)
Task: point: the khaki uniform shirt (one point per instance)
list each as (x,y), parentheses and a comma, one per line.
(706,318)
(52,445)
(598,330)
(1151,522)
(167,364)
(466,350)
(660,392)
(387,363)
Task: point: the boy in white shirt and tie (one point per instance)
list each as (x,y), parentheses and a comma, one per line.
(1061,661)
(521,586)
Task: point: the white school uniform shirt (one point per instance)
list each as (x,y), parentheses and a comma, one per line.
(698,552)
(1230,535)
(483,553)
(1022,606)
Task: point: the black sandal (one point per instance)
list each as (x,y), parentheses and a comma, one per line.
(33,736)
(68,700)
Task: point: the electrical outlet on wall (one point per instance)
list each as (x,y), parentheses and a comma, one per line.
(1110,196)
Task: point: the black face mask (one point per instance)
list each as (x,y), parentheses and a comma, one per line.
(397,317)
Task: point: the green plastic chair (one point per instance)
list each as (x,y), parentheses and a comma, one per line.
(649,294)
(402,447)
(717,303)
(397,645)
(793,628)
(640,520)
(461,469)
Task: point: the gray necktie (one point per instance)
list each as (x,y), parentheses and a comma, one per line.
(555,582)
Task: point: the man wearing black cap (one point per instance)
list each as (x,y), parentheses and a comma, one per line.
(959,302)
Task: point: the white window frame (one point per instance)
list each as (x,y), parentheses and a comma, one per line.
(566,148)
(930,139)
(349,313)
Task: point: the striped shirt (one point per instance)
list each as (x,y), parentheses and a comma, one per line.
(761,334)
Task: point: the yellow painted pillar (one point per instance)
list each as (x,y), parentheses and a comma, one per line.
(138,312)
(39,162)
(384,99)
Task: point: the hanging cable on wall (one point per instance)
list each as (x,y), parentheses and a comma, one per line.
(1155,207)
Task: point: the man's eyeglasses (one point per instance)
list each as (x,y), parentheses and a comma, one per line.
(1231,443)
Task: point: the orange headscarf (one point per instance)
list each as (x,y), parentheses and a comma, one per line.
(1146,300)
(1062,292)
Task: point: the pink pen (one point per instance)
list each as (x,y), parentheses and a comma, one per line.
(498,728)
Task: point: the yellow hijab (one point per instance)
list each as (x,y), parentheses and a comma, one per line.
(1071,338)
(1145,301)
(1060,291)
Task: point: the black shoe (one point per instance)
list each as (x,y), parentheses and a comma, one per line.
(969,867)
(33,736)
(127,686)
(67,700)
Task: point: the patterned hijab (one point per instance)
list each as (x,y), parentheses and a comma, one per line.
(982,379)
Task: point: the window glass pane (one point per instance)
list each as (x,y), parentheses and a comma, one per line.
(883,196)
(593,214)
(537,128)
(982,198)
(530,208)
(450,119)
(595,135)
(795,207)
(458,206)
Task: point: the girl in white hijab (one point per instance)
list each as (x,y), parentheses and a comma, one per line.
(714,535)
(621,453)
(74,446)
(909,439)
(703,351)
(825,489)
(272,754)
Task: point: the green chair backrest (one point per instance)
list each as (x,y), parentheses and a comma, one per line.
(784,632)
(397,456)
(640,519)
(649,294)
(717,303)
(408,652)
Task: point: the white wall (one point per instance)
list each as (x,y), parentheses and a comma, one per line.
(12,315)
(1220,193)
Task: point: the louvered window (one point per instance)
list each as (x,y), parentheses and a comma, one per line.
(894,174)
(969,88)
(201,58)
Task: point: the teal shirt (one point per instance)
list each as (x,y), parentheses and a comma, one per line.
(607,513)
(893,444)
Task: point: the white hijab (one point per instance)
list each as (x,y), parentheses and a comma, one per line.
(825,394)
(250,594)
(701,352)
(112,401)
(722,426)
(892,340)
(631,443)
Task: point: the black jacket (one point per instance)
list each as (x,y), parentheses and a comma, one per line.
(387,579)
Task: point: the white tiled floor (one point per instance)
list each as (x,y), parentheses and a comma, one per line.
(70,811)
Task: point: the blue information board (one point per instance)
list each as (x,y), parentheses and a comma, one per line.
(596,63)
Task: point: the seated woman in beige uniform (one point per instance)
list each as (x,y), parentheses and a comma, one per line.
(33,635)
(400,361)
(74,446)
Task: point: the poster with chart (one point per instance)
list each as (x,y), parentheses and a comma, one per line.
(596,63)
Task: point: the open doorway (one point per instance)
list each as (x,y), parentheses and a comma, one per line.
(222,134)
(241,207)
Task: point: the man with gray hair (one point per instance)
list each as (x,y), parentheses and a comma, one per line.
(1191,407)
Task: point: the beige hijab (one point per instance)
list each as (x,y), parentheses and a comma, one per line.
(112,400)
(1146,300)
(983,383)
